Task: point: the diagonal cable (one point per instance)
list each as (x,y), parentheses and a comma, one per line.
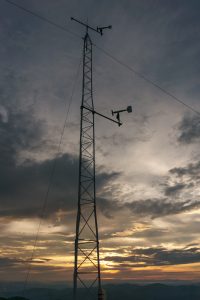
(145,78)
(50,181)
(117,60)
(42,18)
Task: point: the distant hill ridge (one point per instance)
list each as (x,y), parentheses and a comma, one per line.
(13,298)
(117,292)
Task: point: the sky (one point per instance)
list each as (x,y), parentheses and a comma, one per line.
(147,170)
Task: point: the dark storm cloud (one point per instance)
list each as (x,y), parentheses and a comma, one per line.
(108,208)
(160,207)
(8,262)
(11,262)
(23,184)
(159,257)
(153,208)
(182,180)
(156,44)
(23,187)
(192,170)
(189,129)
(175,189)
(173,201)
(19,132)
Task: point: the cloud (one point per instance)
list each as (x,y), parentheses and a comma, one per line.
(8,262)
(33,65)
(23,183)
(19,132)
(175,189)
(161,207)
(23,187)
(3,114)
(20,129)
(191,170)
(189,129)
(156,208)
(158,257)
(182,183)
(12,262)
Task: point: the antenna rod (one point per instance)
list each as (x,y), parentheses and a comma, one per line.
(98,29)
(86,25)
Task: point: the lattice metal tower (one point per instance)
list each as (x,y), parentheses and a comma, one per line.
(87,262)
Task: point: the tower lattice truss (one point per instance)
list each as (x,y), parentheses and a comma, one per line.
(87,265)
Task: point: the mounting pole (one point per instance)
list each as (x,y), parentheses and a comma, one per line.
(87,261)
(97,30)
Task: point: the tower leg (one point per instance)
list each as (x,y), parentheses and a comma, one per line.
(100,294)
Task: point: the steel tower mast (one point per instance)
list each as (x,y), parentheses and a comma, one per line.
(87,261)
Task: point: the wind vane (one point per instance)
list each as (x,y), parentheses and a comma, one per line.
(98,29)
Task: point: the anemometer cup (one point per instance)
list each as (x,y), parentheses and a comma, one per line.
(129,109)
